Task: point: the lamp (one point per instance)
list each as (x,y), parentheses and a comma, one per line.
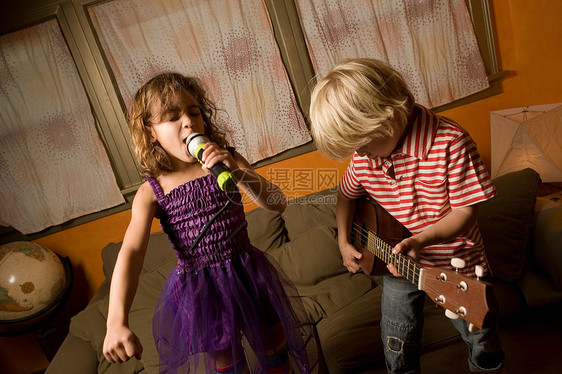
(528,137)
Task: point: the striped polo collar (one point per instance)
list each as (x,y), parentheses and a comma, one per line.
(421,134)
(418,140)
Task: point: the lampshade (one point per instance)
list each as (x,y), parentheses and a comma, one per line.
(528,137)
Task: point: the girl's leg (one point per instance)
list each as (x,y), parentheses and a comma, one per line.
(277,352)
(224,363)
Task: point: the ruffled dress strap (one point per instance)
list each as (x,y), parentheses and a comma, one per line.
(156,188)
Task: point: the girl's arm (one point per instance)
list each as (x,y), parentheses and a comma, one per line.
(448,228)
(120,342)
(266,194)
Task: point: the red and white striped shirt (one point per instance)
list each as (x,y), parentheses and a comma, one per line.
(436,168)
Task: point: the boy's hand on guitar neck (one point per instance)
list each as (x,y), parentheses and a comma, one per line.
(411,247)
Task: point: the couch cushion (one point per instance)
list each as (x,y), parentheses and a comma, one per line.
(72,354)
(90,323)
(351,337)
(140,317)
(266,229)
(548,242)
(506,223)
(335,293)
(311,257)
(109,256)
(310,211)
(314,264)
(159,251)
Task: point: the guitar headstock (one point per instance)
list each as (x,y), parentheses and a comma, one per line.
(463,296)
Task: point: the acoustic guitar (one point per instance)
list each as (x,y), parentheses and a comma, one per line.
(375,232)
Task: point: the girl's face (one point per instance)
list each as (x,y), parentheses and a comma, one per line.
(176,124)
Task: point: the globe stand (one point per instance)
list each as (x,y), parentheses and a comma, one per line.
(50,339)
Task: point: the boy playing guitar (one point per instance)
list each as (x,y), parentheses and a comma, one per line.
(425,171)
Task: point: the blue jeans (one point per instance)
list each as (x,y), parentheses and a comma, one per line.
(402,325)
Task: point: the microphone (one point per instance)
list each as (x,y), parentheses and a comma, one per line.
(224,177)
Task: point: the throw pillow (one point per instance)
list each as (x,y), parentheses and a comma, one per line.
(266,229)
(310,211)
(548,242)
(109,256)
(313,263)
(506,223)
(159,251)
(90,323)
(311,257)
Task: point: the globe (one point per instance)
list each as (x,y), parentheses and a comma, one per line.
(32,282)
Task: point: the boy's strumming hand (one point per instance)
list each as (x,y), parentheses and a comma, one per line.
(349,255)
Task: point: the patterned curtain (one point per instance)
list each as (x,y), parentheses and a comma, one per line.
(53,166)
(430,42)
(227,44)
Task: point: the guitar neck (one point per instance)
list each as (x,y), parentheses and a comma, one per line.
(407,267)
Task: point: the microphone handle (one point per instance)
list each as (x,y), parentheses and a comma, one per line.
(224,177)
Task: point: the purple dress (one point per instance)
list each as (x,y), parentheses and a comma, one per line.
(223,289)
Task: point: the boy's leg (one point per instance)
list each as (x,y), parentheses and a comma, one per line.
(484,346)
(401,324)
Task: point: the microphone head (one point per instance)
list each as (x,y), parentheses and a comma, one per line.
(225,179)
(194,143)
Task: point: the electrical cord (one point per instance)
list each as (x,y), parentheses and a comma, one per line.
(207,225)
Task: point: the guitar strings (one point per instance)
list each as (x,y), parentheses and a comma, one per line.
(364,234)
(402,259)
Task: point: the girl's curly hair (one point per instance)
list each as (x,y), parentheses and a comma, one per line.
(151,102)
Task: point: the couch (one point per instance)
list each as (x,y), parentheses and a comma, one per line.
(345,308)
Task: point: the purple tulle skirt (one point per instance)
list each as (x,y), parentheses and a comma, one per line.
(202,314)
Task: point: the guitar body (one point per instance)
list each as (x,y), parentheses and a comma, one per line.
(370,216)
(375,232)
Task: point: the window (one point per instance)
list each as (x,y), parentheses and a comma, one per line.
(108,107)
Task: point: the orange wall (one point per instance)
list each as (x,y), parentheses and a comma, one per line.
(528,44)
(528,36)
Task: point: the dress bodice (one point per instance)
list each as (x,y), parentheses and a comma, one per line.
(188,208)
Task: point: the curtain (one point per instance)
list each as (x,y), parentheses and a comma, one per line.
(53,166)
(430,42)
(229,45)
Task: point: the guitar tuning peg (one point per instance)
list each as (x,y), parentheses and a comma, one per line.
(458,263)
(472,328)
(451,315)
(479,271)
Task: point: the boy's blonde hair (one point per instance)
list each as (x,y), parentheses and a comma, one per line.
(151,104)
(358,101)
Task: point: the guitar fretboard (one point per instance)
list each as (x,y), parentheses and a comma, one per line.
(372,242)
